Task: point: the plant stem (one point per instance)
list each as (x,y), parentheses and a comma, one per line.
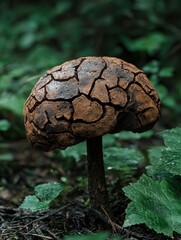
(96,176)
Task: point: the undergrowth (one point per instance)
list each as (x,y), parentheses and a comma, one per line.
(155,197)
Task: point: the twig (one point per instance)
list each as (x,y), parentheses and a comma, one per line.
(113,224)
(38,235)
(51,234)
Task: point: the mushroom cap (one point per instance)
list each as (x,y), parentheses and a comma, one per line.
(89,97)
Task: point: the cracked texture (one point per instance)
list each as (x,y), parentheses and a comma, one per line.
(89,97)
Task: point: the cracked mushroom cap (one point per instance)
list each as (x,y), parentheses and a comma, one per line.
(89,97)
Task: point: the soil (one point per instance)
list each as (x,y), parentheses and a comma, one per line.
(70,214)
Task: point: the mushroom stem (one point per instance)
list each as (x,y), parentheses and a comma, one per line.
(96,176)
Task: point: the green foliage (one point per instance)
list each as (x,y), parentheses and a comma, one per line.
(44,195)
(74,152)
(167,160)
(156,201)
(128,135)
(125,160)
(79,150)
(156,74)
(93,236)
(4,125)
(16,107)
(110,140)
(6,157)
(151,43)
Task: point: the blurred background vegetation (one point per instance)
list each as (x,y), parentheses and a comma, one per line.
(38,36)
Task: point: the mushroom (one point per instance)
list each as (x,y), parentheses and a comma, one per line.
(84,99)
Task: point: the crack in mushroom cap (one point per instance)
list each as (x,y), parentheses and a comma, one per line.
(89,97)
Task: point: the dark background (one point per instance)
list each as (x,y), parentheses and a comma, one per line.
(35,36)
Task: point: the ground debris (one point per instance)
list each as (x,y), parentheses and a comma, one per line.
(72,218)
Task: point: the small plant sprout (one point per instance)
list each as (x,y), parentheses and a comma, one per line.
(44,194)
(83,99)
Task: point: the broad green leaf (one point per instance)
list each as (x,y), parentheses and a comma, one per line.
(171,162)
(33,204)
(44,195)
(155,203)
(124,160)
(155,168)
(118,158)
(132,216)
(155,154)
(166,160)
(172,138)
(48,191)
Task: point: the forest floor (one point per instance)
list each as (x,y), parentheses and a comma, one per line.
(70,214)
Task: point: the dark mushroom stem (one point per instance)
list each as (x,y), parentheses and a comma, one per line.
(98,193)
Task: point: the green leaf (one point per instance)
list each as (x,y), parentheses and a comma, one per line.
(150,43)
(155,168)
(93,236)
(155,154)
(166,72)
(6,157)
(166,160)
(128,135)
(151,67)
(6,82)
(165,97)
(155,203)
(171,162)
(48,191)
(132,216)
(62,7)
(13,103)
(33,204)
(109,140)
(44,195)
(79,150)
(74,152)
(172,138)
(27,40)
(4,125)
(124,160)
(98,236)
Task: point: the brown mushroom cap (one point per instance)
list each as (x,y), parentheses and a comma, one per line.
(89,97)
